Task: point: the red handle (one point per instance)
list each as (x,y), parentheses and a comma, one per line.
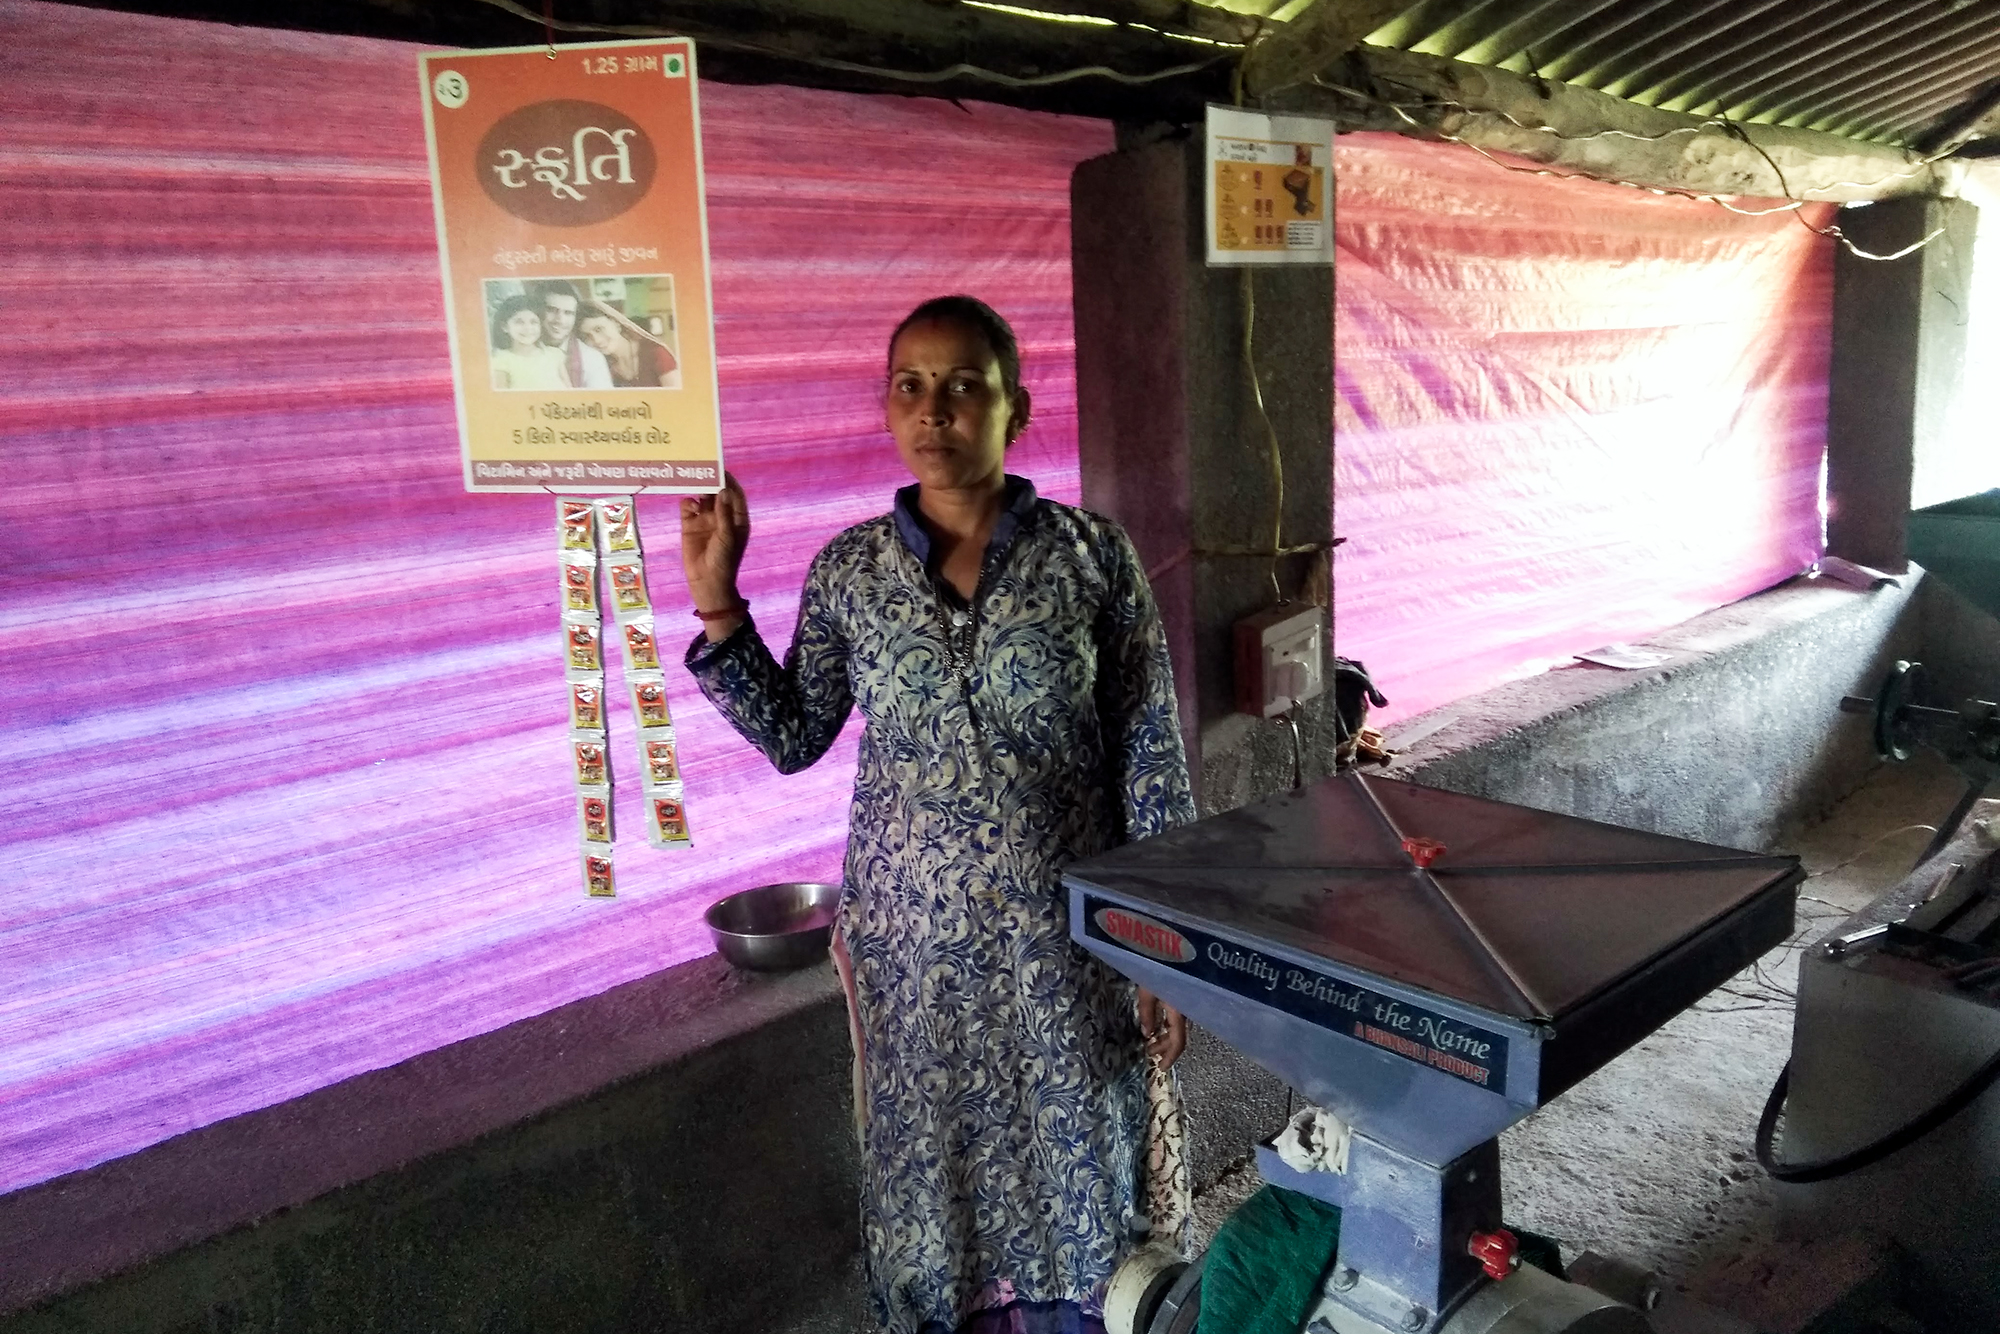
(1497,1252)
(1423,851)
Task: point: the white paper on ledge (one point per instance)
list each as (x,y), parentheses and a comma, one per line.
(1625,657)
(1855,575)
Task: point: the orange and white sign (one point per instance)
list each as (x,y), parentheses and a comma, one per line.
(1269,186)
(574,241)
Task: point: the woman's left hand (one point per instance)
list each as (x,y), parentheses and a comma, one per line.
(1164,1027)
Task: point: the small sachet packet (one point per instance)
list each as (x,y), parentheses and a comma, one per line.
(627,576)
(590,759)
(658,764)
(593,814)
(666,819)
(576,522)
(579,581)
(649,700)
(583,641)
(642,651)
(618,524)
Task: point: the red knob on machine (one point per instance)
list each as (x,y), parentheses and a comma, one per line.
(1423,851)
(1497,1252)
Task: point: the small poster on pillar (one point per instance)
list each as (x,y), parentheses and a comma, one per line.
(1269,182)
(573,238)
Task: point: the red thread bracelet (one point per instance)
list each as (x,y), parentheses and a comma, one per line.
(740,609)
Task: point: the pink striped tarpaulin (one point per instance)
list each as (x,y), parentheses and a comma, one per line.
(287,796)
(1567,413)
(286,788)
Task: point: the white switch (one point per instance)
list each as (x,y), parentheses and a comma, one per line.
(1280,654)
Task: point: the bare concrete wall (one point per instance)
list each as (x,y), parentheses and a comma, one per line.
(1737,739)
(714,1191)
(1172,442)
(1899,340)
(1961,646)
(676,1154)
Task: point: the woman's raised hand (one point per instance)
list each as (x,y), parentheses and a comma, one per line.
(714,531)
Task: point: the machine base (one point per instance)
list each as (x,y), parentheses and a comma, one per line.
(1527,1301)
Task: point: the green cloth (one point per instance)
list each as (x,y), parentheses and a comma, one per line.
(1271,1257)
(1267,1264)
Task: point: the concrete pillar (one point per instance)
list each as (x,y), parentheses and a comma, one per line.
(1899,329)
(1173,447)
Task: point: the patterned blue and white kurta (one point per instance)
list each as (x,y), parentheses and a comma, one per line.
(1003,1083)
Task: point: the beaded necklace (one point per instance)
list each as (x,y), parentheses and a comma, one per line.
(958,627)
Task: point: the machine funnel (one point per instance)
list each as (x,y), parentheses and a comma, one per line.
(1429,966)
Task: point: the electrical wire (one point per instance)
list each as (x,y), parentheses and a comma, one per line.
(1868,1154)
(1277,450)
(1290,717)
(1182,556)
(958,71)
(1424,104)
(1270,429)
(1789,206)
(1737,132)
(1764,992)
(1730,128)
(1236,85)
(1869,847)
(1904,1135)
(1792,206)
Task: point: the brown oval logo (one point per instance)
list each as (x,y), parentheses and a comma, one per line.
(567,163)
(1154,939)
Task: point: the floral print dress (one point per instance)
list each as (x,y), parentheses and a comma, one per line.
(1003,1093)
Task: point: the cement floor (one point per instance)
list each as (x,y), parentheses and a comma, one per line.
(1650,1159)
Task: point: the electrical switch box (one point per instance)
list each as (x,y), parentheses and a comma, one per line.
(1280,658)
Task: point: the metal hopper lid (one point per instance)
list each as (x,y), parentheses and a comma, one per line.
(1524,913)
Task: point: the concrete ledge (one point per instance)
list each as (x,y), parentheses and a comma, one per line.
(677,1153)
(674,1154)
(674,1033)
(1736,739)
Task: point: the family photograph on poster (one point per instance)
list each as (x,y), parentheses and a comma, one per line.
(613,332)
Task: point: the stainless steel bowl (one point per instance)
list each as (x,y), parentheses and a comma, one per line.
(774,927)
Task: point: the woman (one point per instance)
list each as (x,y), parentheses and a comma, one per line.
(637,360)
(520,359)
(1006,655)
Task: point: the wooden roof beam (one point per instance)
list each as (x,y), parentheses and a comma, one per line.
(1289,54)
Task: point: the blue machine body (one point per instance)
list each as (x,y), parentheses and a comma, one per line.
(1431,968)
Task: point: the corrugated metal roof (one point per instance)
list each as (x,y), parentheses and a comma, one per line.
(1889,71)
(1886,71)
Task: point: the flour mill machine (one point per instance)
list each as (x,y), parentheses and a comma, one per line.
(1430,968)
